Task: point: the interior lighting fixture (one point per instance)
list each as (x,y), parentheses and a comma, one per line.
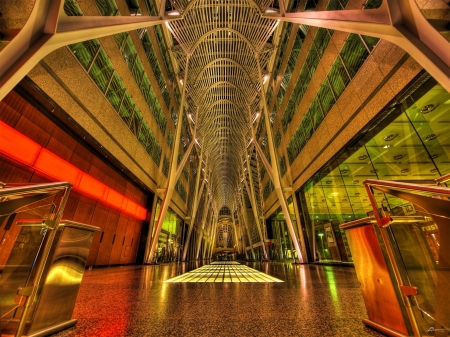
(430,137)
(224,271)
(427,108)
(173,13)
(389,137)
(21,148)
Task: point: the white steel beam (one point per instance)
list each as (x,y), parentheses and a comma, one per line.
(49,28)
(195,205)
(204,218)
(398,21)
(275,170)
(246,223)
(174,172)
(251,194)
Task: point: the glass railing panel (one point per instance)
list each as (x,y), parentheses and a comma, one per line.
(419,234)
(419,245)
(25,219)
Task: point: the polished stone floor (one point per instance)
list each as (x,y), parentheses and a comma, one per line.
(135,301)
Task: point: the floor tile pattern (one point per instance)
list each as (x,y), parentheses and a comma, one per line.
(133,301)
(227,271)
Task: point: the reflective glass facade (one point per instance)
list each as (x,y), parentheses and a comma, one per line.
(408,142)
(169,242)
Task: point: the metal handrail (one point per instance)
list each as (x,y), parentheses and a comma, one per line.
(38,188)
(438,190)
(402,188)
(358,222)
(393,219)
(7,192)
(443,179)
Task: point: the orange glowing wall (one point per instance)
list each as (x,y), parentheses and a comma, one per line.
(33,149)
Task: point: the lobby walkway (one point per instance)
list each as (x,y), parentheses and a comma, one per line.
(135,301)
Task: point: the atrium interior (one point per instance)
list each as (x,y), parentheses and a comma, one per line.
(225,168)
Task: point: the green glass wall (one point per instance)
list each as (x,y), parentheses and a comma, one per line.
(170,238)
(409,142)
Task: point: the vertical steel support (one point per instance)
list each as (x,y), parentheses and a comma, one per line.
(209,235)
(213,237)
(150,234)
(252,198)
(195,204)
(247,225)
(193,216)
(236,240)
(173,168)
(204,218)
(275,170)
(299,227)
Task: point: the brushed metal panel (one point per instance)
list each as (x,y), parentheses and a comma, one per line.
(63,278)
(378,291)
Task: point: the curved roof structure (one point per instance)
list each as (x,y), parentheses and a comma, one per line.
(219,43)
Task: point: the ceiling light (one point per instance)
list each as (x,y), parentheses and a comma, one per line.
(173,13)
(427,108)
(389,137)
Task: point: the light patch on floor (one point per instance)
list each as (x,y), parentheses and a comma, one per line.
(224,272)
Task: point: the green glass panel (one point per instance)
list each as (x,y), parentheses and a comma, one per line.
(354,54)
(307,125)
(321,40)
(326,97)
(115,91)
(71,8)
(370,41)
(107,7)
(102,70)
(312,60)
(338,77)
(371,4)
(315,111)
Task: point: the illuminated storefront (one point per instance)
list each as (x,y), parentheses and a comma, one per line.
(409,142)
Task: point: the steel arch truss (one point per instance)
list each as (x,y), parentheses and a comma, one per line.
(221,39)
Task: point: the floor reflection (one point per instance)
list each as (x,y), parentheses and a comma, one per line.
(312,301)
